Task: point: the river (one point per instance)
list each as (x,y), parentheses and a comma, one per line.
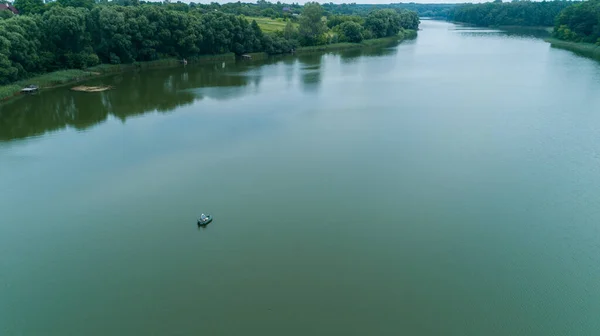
(449,185)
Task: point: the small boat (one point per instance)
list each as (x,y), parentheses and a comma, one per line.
(204,220)
(30,89)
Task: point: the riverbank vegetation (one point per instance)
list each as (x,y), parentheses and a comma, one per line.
(516,13)
(579,23)
(584,49)
(79,34)
(371,43)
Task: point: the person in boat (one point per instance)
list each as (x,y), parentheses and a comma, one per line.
(203,217)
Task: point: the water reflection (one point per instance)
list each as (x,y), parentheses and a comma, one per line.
(134,94)
(527,32)
(161,90)
(351,56)
(311,71)
(536,32)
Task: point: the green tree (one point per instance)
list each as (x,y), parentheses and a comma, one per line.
(29,6)
(351,31)
(23,34)
(8,72)
(268,12)
(290,32)
(383,22)
(77,3)
(522,13)
(409,19)
(336,20)
(579,22)
(312,28)
(6,15)
(66,38)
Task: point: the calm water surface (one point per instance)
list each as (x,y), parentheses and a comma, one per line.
(446,186)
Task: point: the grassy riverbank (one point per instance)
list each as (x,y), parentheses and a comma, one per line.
(583,49)
(64,77)
(48,80)
(407,34)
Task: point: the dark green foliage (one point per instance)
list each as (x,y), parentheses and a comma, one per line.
(77,3)
(29,6)
(260,8)
(377,24)
(279,45)
(5,14)
(439,11)
(424,10)
(351,32)
(66,39)
(75,37)
(19,45)
(77,34)
(518,13)
(290,32)
(409,20)
(579,23)
(312,27)
(383,22)
(336,20)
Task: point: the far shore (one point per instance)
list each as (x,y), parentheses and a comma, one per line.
(72,76)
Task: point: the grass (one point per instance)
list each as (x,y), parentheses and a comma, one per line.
(268,25)
(58,78)
(583,49)
(48,80)
(8,91)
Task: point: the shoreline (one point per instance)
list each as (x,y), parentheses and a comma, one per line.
(548,29)
(407,34)
(589,50)
(72,76)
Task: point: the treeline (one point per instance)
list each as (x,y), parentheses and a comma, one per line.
(67,37)
(377,24)
(516,13)
(80,33)
(423,10)
(290,11)
(579,23)
(261,8)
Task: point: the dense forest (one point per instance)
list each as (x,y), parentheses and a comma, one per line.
(424,10)
(516,13)
(82,33)
(572,21)
(579,23)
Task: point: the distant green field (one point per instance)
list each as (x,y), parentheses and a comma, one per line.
(268,25)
